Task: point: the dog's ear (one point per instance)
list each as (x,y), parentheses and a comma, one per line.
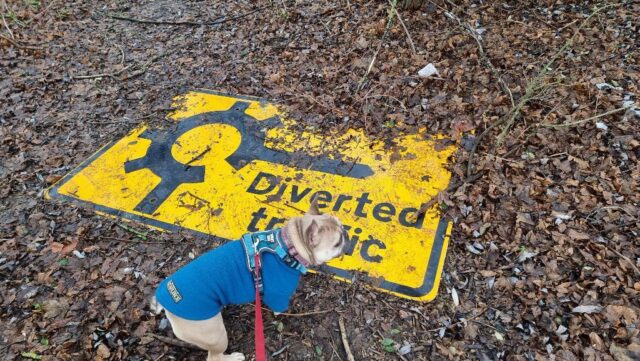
(311,234)
(313,208)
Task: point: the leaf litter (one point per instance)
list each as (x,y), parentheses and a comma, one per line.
(545,250)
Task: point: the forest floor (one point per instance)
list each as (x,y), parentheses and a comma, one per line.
(544,257)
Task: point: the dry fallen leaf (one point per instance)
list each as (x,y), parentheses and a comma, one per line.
(587,309)
(63,249)
(454,296)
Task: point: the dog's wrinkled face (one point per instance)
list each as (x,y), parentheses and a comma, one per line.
(322,235)
(325,237)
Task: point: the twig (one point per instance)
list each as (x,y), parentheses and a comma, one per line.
(484,324)
(121,54)
(18,45)
(413,46)
(4,5)
(143,69)
(174,342)
(635,268)
(162,22)
(586,120)
(38,15)
(139,234)
(113,239)
(217,21)
(306,313)
(390,17)
(280,208)
(459,322)
(474,34)
(197,157)
(104,75)
(345,342)
(404,107)
(276,353)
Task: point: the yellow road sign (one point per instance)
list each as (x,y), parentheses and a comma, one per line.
(234,164)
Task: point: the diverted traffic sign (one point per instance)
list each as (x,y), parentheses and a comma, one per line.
(231,164)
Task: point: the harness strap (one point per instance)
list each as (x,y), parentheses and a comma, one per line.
(274,242)
(259,327)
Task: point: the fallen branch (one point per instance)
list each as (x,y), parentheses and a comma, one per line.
(217,21)
(345,341)
(174,342)
(585,120)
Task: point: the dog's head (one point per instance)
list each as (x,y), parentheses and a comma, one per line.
(320,236)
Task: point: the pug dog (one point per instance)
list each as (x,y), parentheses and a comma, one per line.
(193,297)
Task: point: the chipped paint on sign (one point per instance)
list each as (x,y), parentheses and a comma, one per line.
(233,164)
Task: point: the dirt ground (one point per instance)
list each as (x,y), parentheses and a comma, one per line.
(545,254)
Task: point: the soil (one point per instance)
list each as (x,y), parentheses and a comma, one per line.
(545,253)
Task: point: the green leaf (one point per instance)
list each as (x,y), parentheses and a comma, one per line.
(33,3)
(38,307)
(32,355)
(44,341)
(388,345)
(64,262)
(318,351)
(395,331)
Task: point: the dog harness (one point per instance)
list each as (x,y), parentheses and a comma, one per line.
(269,241)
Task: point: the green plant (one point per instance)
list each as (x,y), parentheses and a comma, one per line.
(33,3)
(388,344)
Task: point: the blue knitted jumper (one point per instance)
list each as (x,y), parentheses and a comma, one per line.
(221,277)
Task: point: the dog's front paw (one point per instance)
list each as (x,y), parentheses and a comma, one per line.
(236,356)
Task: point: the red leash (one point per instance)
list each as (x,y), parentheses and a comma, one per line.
(259,329)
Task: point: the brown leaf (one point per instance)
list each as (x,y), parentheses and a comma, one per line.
(623,354)
(57,247)
(102,353)
(578,236)
(596,341)
(614,313)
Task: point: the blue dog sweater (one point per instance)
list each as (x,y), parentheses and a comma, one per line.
(220,277)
